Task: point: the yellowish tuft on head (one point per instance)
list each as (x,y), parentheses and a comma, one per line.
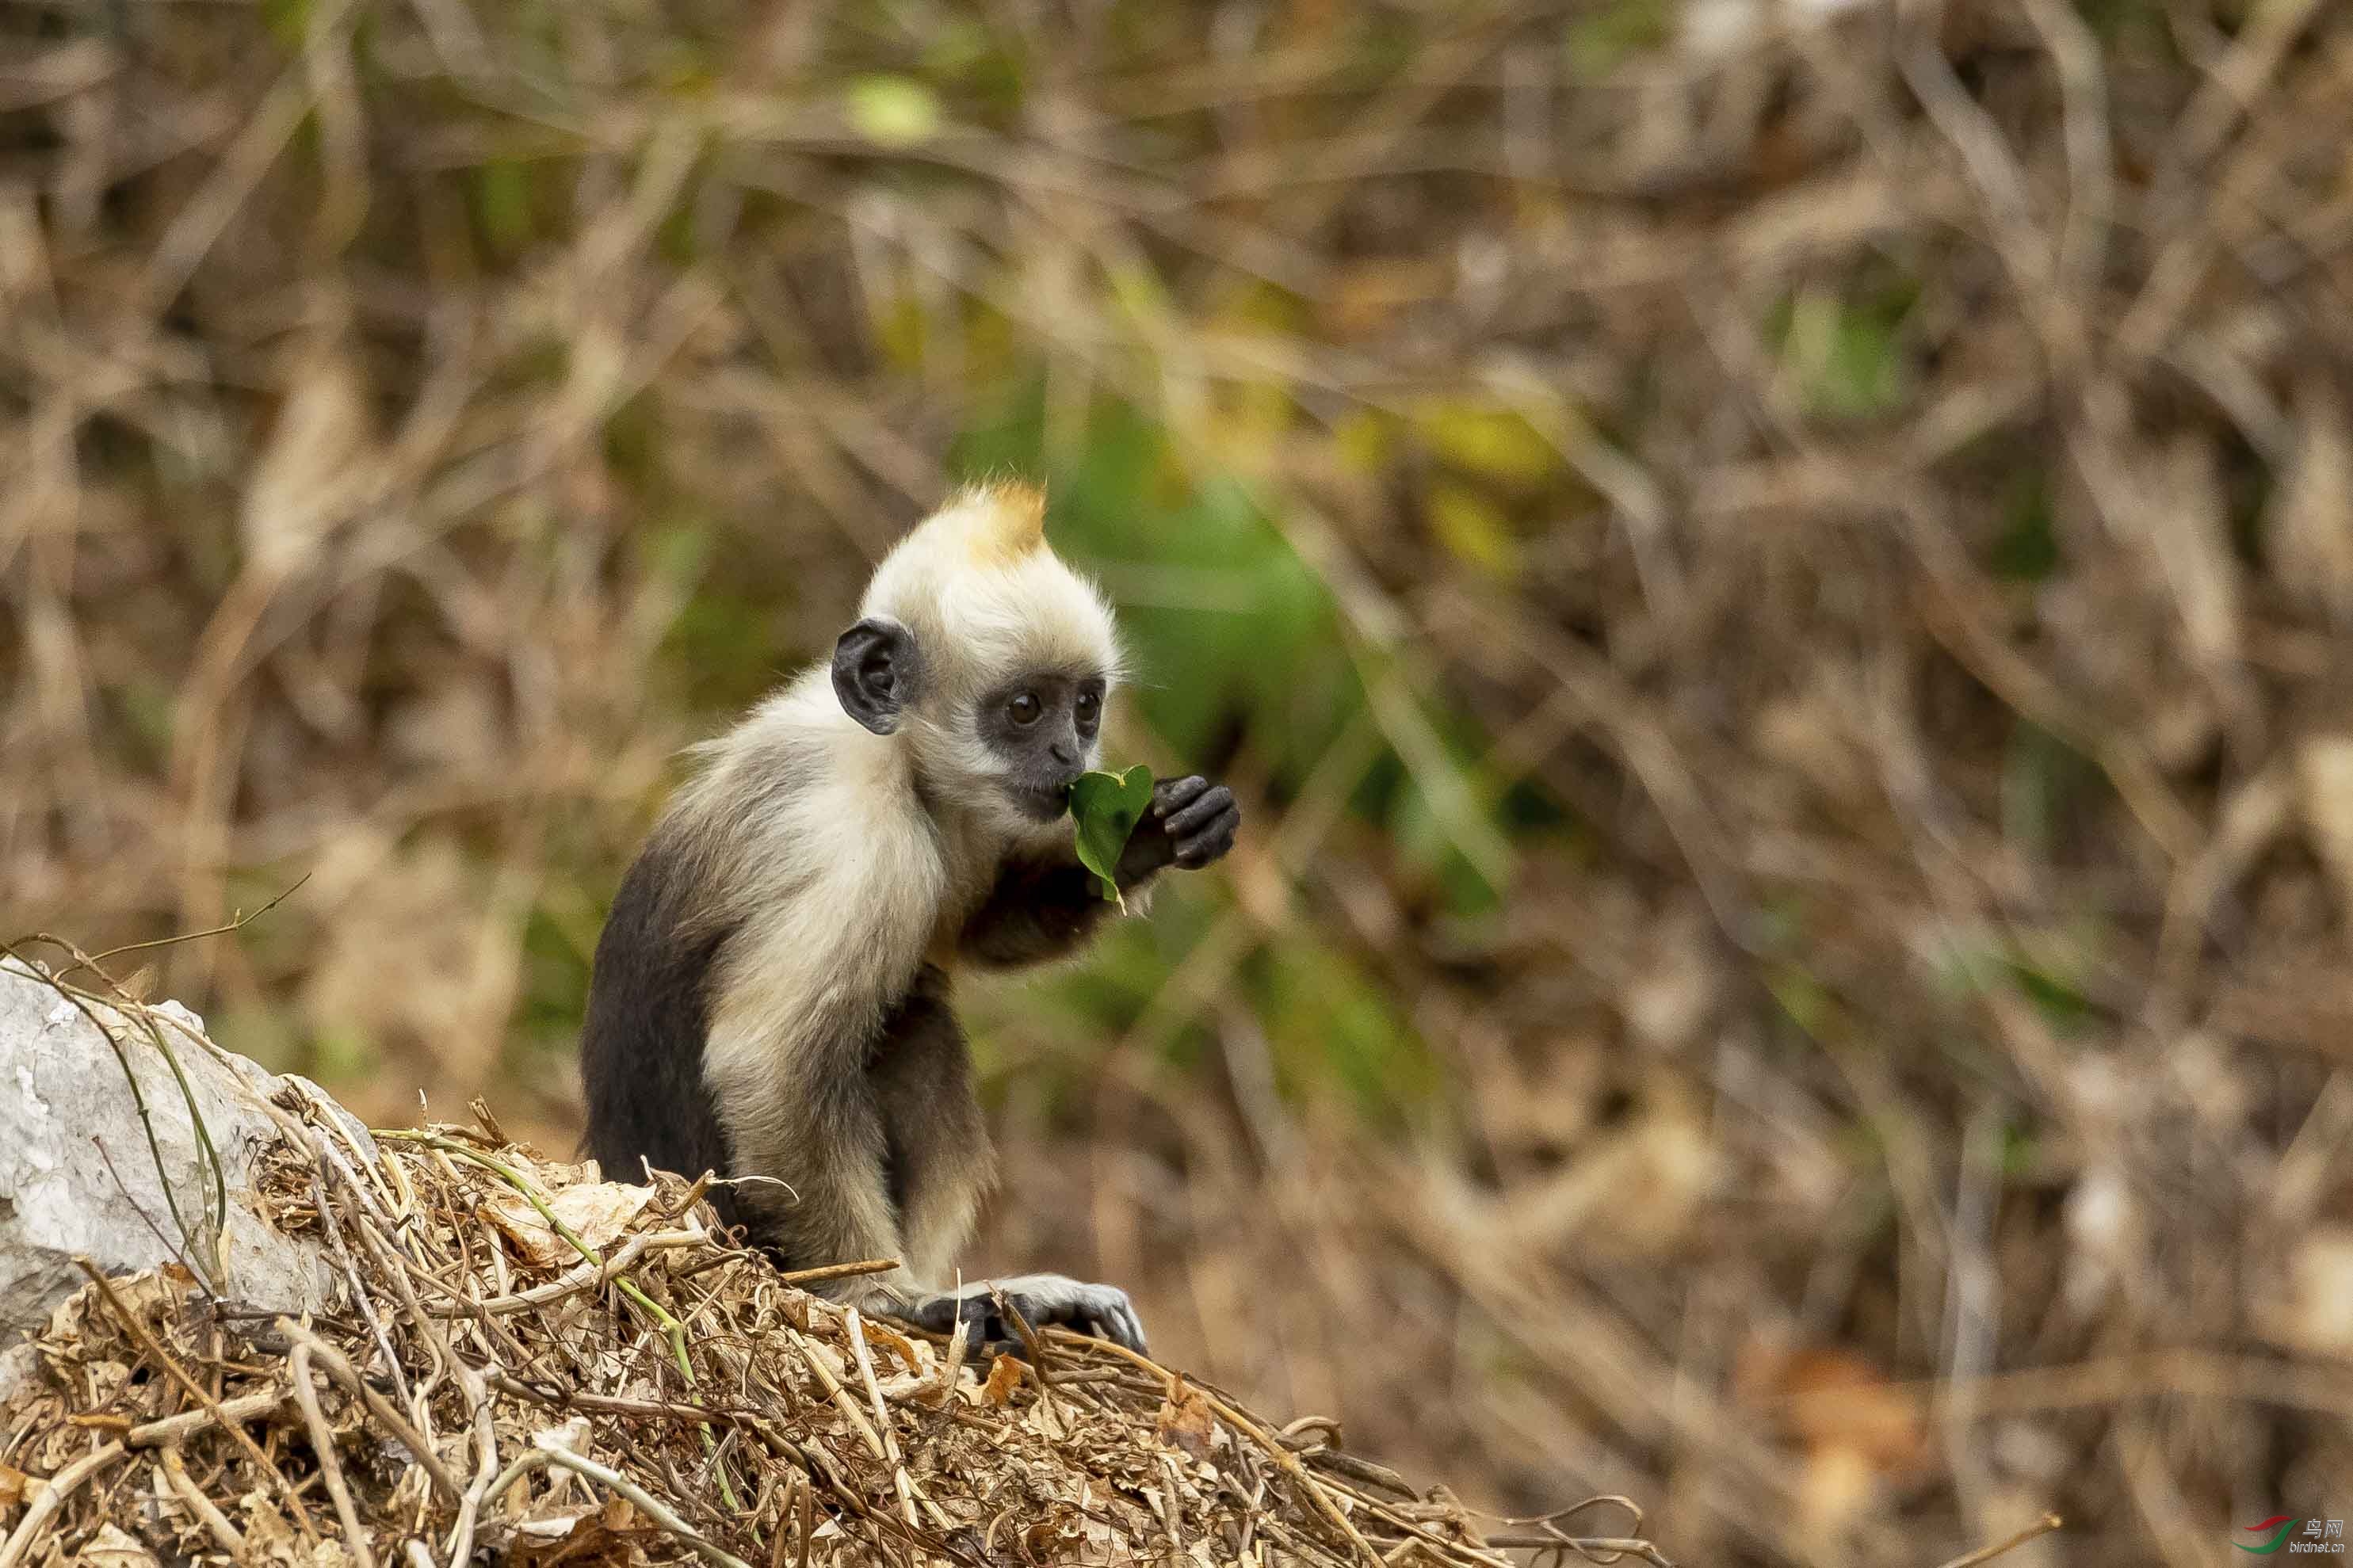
(983,591)
(1003,521)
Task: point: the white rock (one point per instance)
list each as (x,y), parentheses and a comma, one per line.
(71,1116)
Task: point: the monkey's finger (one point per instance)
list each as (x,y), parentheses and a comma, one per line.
(1115,1319)
(1210,843)
(1214,803)
(985,1329)
(1196,853)
(1171,795)
(936,1314)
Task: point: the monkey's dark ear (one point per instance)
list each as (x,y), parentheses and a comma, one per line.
(875,669)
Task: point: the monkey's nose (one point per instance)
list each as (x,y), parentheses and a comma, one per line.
(1063,754)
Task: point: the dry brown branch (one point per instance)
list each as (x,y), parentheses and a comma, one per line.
(179,1374)
(768,1419)
(333,1360)
(323,1447)
(174,1430)
(183,1487)
(54,1493)
(2048,1523)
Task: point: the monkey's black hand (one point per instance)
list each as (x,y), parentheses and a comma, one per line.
(1102,1310)
(1191,823)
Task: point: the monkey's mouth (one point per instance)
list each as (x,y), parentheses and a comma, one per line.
(1040,805)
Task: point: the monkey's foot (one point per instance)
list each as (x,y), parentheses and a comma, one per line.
(1102,1310)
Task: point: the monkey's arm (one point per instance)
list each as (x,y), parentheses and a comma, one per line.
(1044,909)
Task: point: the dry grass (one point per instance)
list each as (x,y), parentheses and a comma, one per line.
(528,1361)
(1839,535)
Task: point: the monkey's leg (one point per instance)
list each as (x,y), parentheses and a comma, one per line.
(935,1144)
(939,1161)
(808,1157)
(810,1182)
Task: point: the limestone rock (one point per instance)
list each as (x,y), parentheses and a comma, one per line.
(77,1175)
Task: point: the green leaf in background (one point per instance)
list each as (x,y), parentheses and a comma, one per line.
(501,195)
(1474,529)
(1481,438)
(893,111)
(1104,809)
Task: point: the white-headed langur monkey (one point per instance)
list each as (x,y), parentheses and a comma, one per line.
(772,994)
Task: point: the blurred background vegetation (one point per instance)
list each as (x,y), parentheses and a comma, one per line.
(1773,579)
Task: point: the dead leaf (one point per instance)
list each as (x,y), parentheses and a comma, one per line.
(112,1547)
(1187,1422)
(881,1335)
(315,469)
(1829,1398)
(1004,1377)
(1836,1487)
(596,1213)
(268,1537)
(1662,1164)
(583,1537)
(2188,527)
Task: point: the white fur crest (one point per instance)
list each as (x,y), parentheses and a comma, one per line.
(980,587)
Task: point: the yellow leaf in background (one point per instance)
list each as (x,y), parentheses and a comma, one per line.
(991,341)
(1363,441)
(1260,309)
(1474,529)
(893,111)
(1141,293)
(1366,296)
(1250,422)
(1479,438)
(900,331)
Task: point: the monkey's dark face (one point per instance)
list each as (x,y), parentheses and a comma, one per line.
(1040,730)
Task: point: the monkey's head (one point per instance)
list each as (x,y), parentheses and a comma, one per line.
(981,650)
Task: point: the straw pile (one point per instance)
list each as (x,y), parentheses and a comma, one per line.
(535,1362)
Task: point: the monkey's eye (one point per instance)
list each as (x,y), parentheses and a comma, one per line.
(1090,707)
(1026,708)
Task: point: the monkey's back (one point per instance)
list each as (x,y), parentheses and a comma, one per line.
(648,1011)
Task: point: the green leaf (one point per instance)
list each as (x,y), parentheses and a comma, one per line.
(501,192)
(1495,443)
(893,111)
(1473,528)
(1104,809)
